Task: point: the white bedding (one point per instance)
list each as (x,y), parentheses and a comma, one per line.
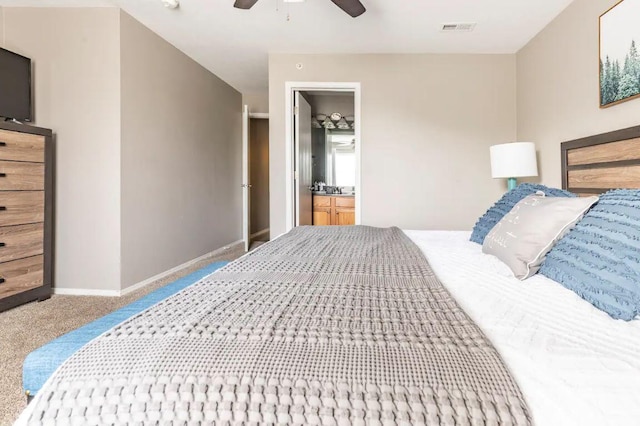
(574,363)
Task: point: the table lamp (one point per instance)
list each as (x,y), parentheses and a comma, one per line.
(513,160)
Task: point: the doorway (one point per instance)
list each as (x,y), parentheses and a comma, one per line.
(259,180)
(255,178)
(323,154)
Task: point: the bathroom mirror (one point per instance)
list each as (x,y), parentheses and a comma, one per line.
(340,151)
(334,157)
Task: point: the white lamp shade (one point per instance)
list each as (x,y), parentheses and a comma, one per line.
(512,160)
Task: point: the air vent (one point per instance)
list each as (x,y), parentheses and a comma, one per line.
(458,27)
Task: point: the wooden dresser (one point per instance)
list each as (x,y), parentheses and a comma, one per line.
(26,214)
(333,210)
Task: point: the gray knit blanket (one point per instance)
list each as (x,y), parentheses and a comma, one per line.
(322,326)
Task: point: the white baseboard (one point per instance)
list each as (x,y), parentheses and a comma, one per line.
(85,292)
(141,284)
(259,233)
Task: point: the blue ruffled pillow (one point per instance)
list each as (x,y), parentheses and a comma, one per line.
(600,258)
(506,203)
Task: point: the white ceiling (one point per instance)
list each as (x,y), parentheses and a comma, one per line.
(234,44)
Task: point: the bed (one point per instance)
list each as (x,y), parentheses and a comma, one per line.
(538,353)
(574,364)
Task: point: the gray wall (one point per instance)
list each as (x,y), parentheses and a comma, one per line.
(427,124)
(258,102)
(147,145)
(181,156)
(319,152)
(76,65)
(558,92)
(326,104)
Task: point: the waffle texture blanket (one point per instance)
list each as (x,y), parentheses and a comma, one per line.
(324,325)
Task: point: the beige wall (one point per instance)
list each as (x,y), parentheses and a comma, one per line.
(258,102)
(1,27)
(181,156)
(427,124)
(76,65)
(558,94)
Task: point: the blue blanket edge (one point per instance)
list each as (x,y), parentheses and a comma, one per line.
(40,364)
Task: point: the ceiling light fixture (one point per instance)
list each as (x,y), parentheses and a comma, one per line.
(328,124)
(332,121)
(342,124)
(171,4)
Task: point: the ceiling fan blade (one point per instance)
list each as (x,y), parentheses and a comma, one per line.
(244,4)
(352,7)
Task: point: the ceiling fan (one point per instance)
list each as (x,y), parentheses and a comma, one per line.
(352,7)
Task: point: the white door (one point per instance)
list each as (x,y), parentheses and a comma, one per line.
(304,162)
(246,186)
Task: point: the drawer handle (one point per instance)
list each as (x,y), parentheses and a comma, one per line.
(2,244)
(3,144)
(1,280)
(3,208)
(3,175)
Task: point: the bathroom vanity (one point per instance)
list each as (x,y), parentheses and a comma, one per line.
(334,209)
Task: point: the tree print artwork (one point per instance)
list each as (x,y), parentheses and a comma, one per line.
(619,57)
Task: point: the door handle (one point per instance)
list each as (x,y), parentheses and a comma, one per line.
(246,185)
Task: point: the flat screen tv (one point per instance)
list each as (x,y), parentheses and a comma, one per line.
(15,86)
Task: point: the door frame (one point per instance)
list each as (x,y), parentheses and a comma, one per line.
(301,86)
(246,193)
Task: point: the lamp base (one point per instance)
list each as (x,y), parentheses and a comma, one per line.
(512,183)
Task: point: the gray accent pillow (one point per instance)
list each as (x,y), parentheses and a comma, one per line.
(525,235)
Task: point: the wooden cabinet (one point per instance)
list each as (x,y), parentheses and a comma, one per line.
(321,216)
(333,210)
(26,208)
(345,216)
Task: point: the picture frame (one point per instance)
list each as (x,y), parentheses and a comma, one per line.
(619,53)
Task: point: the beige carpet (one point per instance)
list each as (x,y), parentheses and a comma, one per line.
(26,328)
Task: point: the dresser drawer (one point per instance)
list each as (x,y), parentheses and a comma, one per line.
(16,146)
(20,207)
(21,241)
(19,176)
(21,275)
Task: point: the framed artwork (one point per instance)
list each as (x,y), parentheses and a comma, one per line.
(619,57)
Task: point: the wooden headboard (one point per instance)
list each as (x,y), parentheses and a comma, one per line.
(596,164)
